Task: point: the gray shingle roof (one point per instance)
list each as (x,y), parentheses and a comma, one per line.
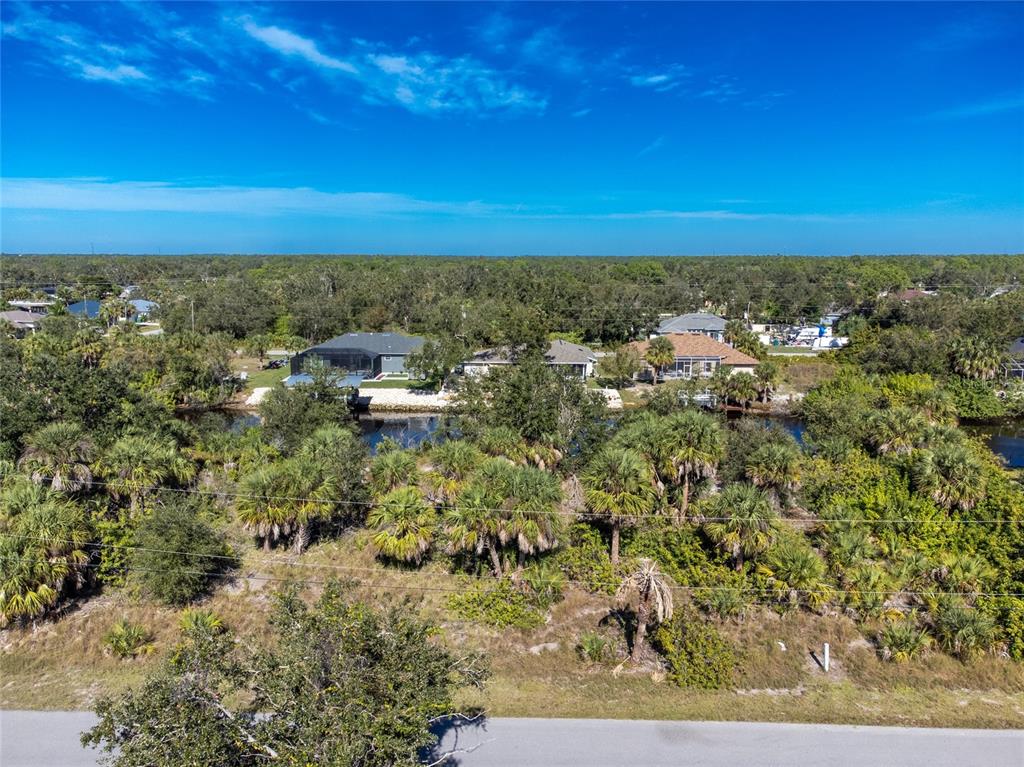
(374,343)
(694,322)
(559,353)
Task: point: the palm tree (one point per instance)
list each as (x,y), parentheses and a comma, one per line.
(618,485)
(648,592)
(531,522)
(897,430)
(136,465)
(391,470)
(261,506)
(502,441)
(767,375)
(474,523)
(952,475)
(405,524)
(797,573)
(660,354)
(59,454)
(742,389)
(308,493)
(690,447)
(43,550)
(453,461)
(745,523)
(775,466)
(976,358)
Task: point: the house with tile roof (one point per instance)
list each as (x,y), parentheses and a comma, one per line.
(698,356)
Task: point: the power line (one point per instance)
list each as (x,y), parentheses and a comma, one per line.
(554,512)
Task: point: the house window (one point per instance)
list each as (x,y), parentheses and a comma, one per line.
(709,368)
(387,358)
(684,366)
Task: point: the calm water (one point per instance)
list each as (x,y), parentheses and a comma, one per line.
(1005,438)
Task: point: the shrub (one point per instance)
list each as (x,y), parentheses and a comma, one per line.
(697,654)
(594,648)
(975,399)
(126,639)
(194,620)
(500,605)
(962,631)
(586,561)
(178,553)
(903,640)
(546,581)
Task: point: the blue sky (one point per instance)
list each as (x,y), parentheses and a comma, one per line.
(512,129)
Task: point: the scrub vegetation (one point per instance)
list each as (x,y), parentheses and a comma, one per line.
(667,562)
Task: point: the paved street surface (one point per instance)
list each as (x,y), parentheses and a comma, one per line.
(50,739)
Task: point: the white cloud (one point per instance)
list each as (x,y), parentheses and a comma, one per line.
(91,194)
(654,146)
(998,105)
(288,43)
(117,74)
(582,112)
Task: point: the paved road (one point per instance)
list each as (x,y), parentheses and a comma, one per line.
(50,739)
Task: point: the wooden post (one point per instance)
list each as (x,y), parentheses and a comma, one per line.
(826,657)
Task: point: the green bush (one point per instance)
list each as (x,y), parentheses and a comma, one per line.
(903,640)
(963,631)
(975,400)
(697,654)
(546,582)
(194,620)
(594,647)
(586,561)
(126,639)
(178,553)
(500,605)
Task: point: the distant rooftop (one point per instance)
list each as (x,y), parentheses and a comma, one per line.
(374,343)
(694,322)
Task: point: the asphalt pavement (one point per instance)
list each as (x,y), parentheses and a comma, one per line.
(50,739)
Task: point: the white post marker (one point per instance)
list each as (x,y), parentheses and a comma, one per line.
(826,658)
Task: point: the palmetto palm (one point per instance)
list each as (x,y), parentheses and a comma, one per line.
(531,499)
(391,470)
(42,550)
(309,494)
(897,430)
(660,354)
(767,375)
(648,592)
(502,441)
(745,523)
(474,522)
(405,524)
(976,358)
(797,573)
(690,447)
(262,508)
(618,485)
(453,461)
(59,454)
(776,467)
(136,465)
(952,475)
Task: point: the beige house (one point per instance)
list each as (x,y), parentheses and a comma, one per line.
(698,356)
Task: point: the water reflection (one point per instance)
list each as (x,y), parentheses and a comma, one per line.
(1005,438)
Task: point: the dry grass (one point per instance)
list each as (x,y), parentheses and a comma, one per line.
(62,664)
(802,375)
